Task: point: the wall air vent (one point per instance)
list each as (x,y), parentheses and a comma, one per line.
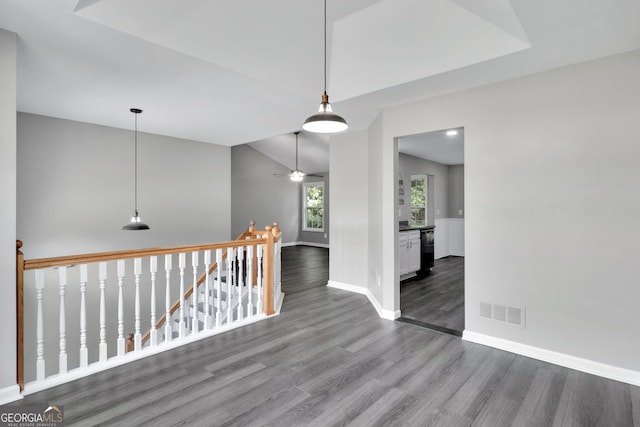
(500,312)
(485,310)
(503,313)
(514,316)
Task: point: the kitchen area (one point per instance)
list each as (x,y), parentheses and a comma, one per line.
(431,230)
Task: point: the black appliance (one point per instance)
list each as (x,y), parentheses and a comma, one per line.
(426,251)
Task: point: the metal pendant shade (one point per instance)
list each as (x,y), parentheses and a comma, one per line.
(325,120)
(135,223)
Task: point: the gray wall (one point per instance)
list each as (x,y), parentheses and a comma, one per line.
(446,186)
(438,177)
(376,242)
(257,195)
(75,191)
(75,188)
(456,191)
(552,206)
(350,217)
(7,213)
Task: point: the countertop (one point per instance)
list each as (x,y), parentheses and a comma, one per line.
(409,227)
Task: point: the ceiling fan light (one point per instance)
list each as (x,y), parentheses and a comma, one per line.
(296,175)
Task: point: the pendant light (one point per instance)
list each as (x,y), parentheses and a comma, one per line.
(136,223)
(325,120)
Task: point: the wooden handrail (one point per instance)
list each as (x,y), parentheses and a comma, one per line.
(39,263)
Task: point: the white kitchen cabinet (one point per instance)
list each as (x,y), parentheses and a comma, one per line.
(409,251)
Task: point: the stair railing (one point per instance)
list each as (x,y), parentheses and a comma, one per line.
(252,233)
(229,284)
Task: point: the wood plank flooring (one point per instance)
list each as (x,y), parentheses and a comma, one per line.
(329,360)
(437,301)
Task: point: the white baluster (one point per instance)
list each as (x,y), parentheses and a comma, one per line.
(102,347)
(260,268)
(207,290)
(230,256)
(194,292)
(250,280)
(39,326)
(62,357)
(218,286)
(137,335)
(277,281)
(168,330)
(121,341)
(153,269)
(240,281)
(84,352)
(182,263)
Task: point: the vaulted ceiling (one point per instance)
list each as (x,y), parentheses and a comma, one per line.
(236,71)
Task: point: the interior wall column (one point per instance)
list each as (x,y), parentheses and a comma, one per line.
(8,388)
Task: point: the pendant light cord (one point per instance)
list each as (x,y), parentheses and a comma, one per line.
(135,157)
(325,47)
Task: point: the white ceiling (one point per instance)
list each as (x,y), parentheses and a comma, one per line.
(436,146)
(236,71)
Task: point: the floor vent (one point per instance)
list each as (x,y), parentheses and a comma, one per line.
(503,313)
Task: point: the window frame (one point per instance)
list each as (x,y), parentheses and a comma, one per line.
(305,207)
(426,200)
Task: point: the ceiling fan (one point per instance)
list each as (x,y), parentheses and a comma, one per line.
(296,175)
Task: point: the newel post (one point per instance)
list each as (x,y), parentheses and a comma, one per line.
(267,271)
(19,315)
(254,258)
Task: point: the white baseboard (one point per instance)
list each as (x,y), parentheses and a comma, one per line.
(454,253)
(584,365)
(383,313)
(10,394)
(317,245)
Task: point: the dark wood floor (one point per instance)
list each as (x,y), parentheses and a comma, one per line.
(437,301)
(329,360)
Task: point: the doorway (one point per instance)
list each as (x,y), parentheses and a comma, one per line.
(434,298)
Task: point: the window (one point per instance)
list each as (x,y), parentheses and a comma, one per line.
(313,209)
(418,200)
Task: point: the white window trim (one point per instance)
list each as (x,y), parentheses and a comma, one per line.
(304,206)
